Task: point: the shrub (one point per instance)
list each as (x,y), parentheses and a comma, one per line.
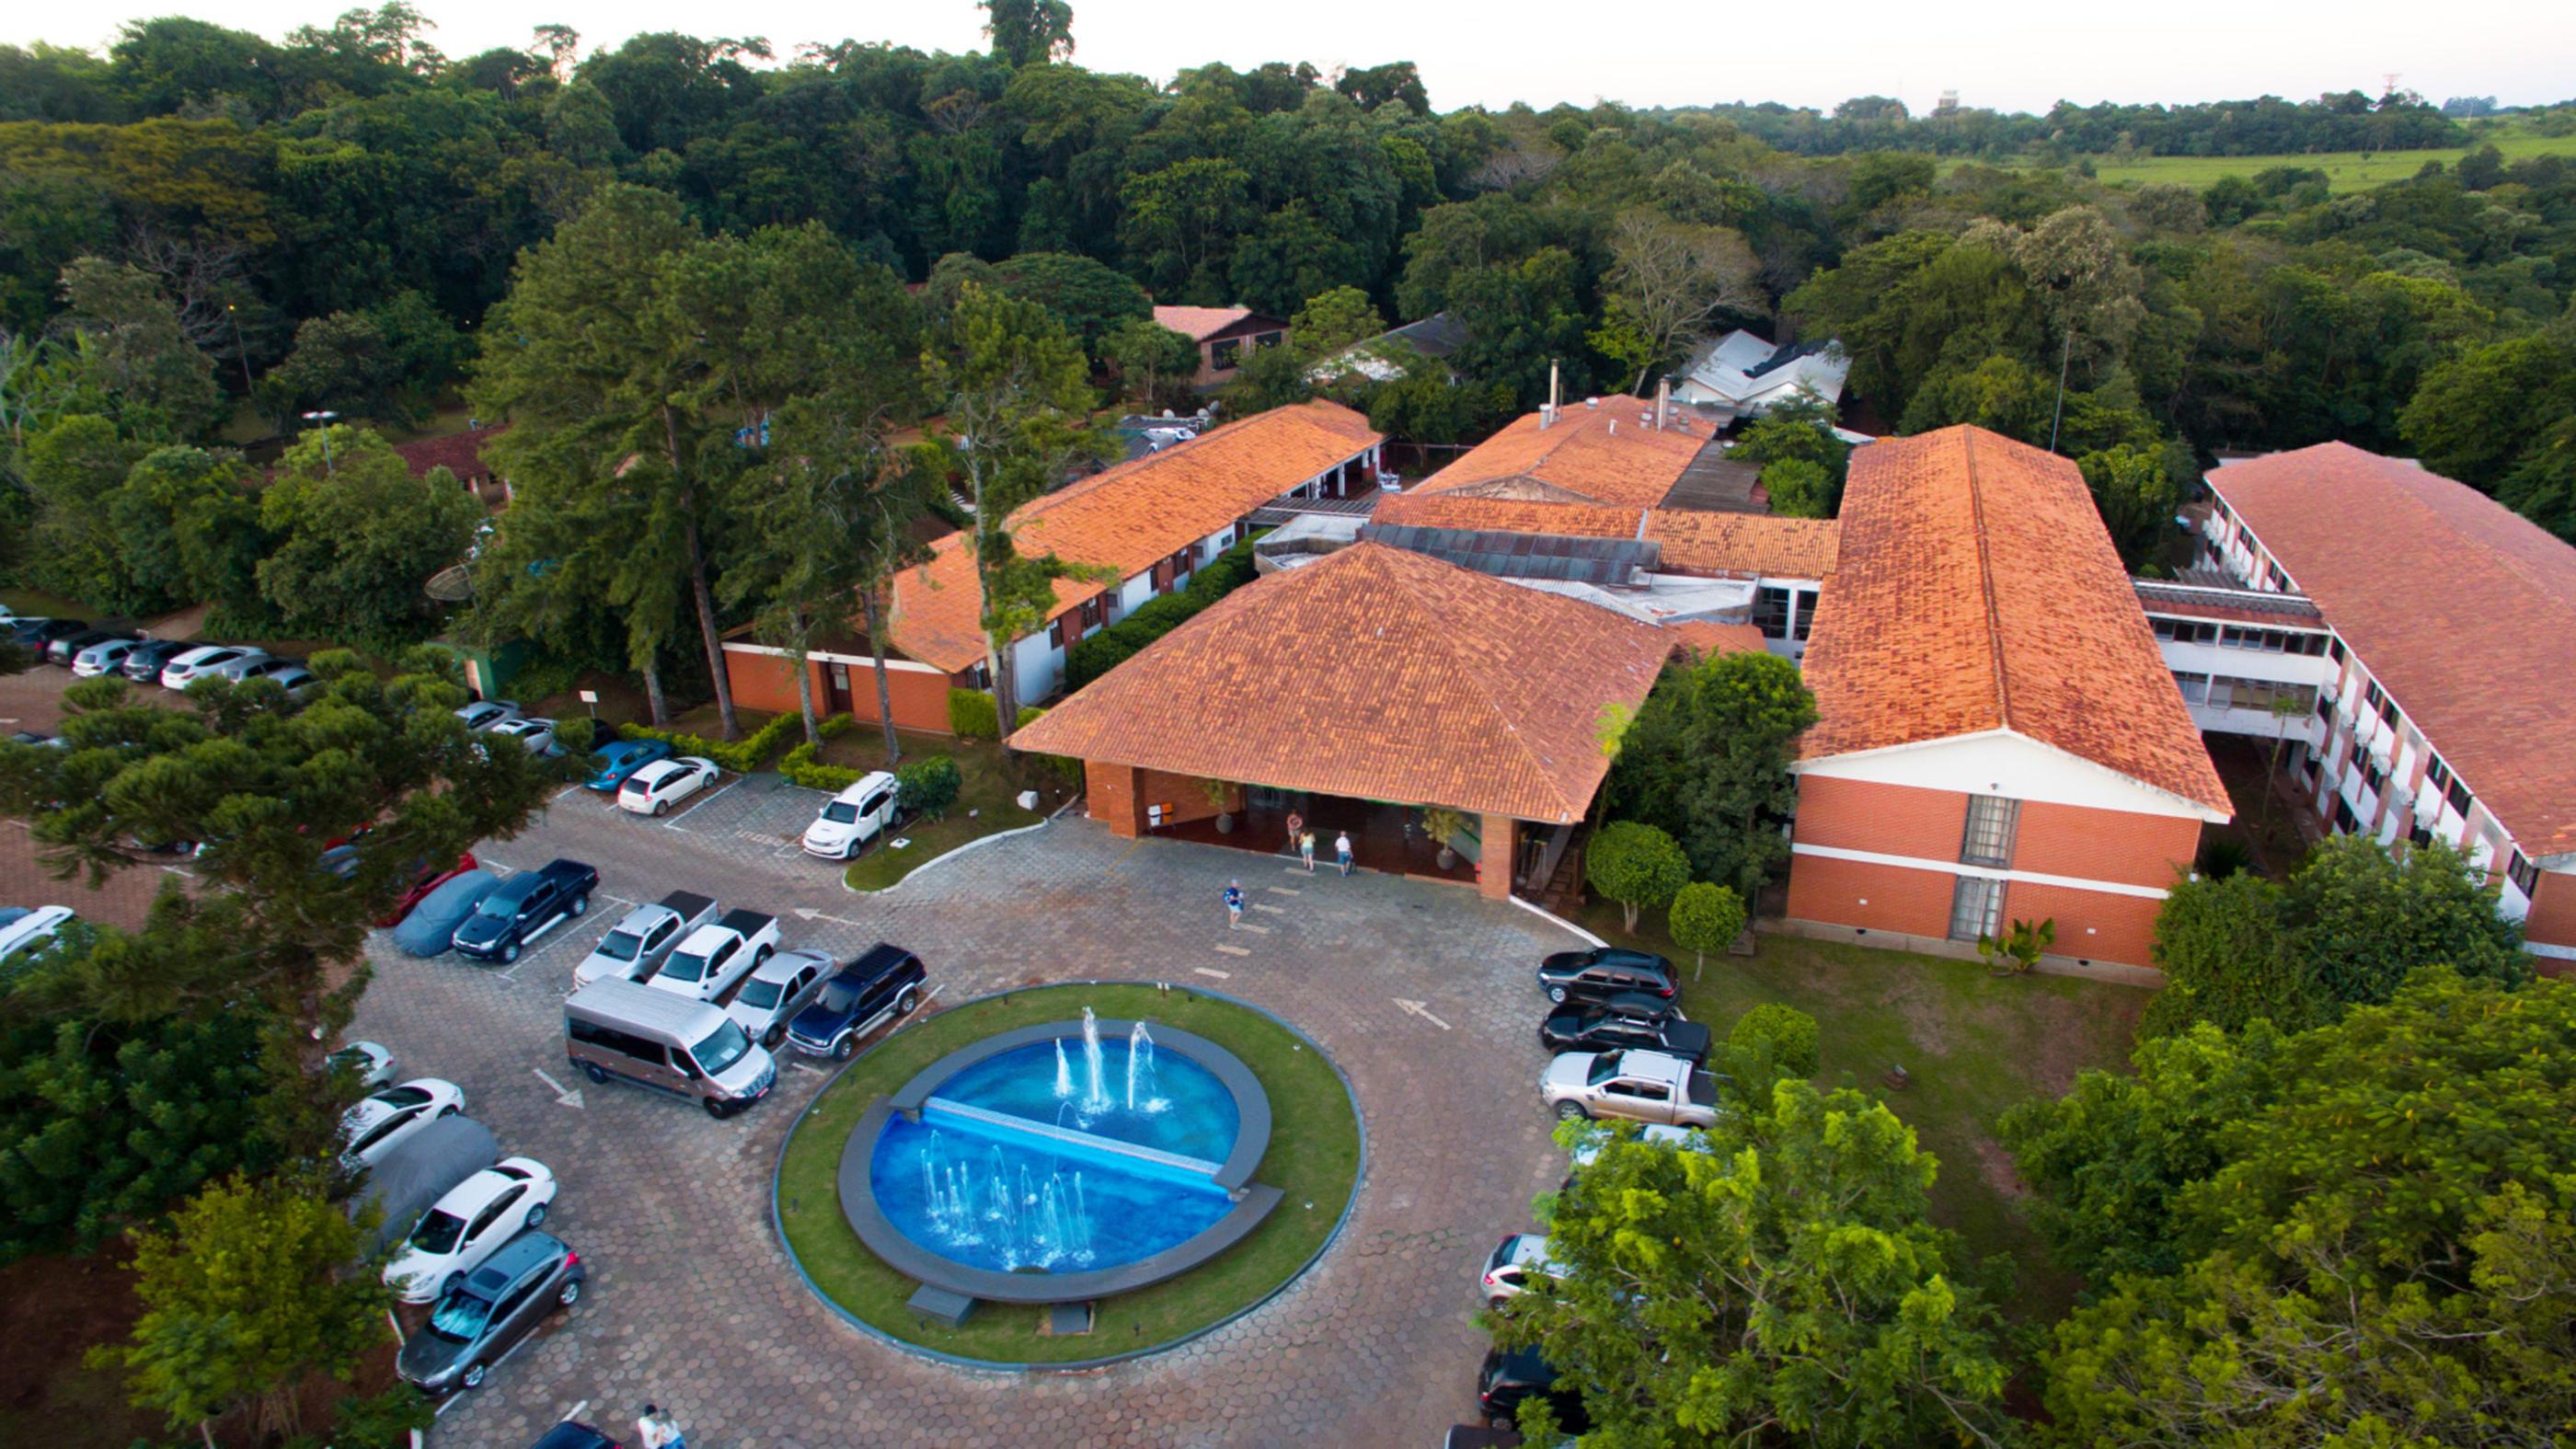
(741,756)
(799,768)
(1799,488)
(972,715)
(1705,918)
(1781,1035)
(582,735)
(1095,656)
(928,786)
(1635,865)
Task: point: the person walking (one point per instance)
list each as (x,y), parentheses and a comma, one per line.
(652,1430)
(1342,851)
(1306,850)
(1233,904)
(1296,827)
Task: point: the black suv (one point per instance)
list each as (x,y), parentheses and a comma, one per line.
(1631,1019)
(524,907)
(1604,972)
(1508,1378)
(880,985)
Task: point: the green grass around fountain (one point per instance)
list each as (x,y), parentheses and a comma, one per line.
(1313,1158)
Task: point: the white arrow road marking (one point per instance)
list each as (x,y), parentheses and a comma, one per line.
(1422,1009)
(807,913)
(569,1099)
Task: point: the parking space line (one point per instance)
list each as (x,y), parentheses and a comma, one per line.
(1236,950)
(1283,890)
(1210,971)
(1257,930)
(1274,910)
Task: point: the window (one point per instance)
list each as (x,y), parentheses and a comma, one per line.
(1225,356)
(2388,712)
(2526,876)
(2184,631)
(1977,909)
(2194,687)
(2458,795)
(2230,693)
(1091,611)
(1055,632)
(2373,776)
(2419,836)
(2343,817)
(1988,839)
(2437,774)
(2334,650)
(1268,339)
(1771,612)
(1806,612)
(2325,708)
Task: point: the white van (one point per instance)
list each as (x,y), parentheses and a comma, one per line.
(616,1028)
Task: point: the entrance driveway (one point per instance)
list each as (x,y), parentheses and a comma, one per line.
(692,1301)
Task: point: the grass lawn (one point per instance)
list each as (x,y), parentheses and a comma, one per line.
(987,800)
(1971,1043)
(2345,170)
(1313,1157)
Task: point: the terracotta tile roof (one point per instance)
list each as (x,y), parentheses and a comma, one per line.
(1977,591)
(2230,606)
(1604,454)
(1751,543)
(2462,609)
(1702,637)
(459,453)
(1707,543)
(1127,517)
(1380,674)
(1201,323)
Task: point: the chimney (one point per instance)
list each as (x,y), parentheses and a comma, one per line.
(1547,415)
(1663,402)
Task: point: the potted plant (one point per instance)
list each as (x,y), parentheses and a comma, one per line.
(1442,824)
(1220,794)
(2020,948)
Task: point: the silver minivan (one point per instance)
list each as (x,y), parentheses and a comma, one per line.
(616,1028)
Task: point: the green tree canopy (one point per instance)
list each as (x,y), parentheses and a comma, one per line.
(1635,865)
(1783,1285)
(1705,918)
(356,537)
(1706,761)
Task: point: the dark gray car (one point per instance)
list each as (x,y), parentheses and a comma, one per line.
(482,1320)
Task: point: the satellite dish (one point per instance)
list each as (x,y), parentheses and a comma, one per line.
(450,585)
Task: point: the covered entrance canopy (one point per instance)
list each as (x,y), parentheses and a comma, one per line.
(1369,681)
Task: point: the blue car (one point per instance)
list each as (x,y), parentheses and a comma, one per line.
(624,758)
(879,986)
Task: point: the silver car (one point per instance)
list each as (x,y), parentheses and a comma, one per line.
(777,991)
(537,734)
(106,658)
(482,714)
(195,663)
(250,665)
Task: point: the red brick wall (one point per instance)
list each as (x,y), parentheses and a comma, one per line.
(1110,794)
(1886,819)
(1181,796)
(1910,902)
(2113,845)
(766,681)
(2552,921)
(2091,925)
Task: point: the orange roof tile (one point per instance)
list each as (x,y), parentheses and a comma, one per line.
(2462,609)
(1977,591)
(1125,518)
(1201,323)
(1605,454)
(1380,674)
(1692,541)
(1751,543)
(1702,637)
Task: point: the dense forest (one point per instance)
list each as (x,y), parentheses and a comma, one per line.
(205,234)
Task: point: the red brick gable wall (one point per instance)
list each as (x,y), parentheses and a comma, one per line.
(2112,845)
(1886,819)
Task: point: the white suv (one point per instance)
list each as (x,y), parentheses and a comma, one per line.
(852,818)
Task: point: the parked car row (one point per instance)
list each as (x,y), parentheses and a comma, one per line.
(171,663)
(474,1254)
(1620,1049)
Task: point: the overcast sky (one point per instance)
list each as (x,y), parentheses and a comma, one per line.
(2008,54)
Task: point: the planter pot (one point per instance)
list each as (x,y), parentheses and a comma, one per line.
(1446,858)
(1224,824)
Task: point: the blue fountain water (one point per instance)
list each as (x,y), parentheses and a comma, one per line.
(1027,1159)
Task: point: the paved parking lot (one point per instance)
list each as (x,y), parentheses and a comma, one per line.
(692,1302)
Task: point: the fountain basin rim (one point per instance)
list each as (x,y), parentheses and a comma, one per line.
(1253,1202)
(1251,1103)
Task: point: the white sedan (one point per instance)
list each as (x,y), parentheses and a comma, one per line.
(372,1061)
(206,659)
(664,783)
(477,1216)
(379,1124)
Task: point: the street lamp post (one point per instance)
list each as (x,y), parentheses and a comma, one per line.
(240,353)
(325,419)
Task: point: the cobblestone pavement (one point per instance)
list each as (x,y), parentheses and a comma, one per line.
(692,1301)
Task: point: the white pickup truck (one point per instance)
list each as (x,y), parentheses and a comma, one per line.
(712,959)
(635,946)
(1640,1086)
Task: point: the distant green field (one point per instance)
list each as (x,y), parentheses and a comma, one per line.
(2345,170)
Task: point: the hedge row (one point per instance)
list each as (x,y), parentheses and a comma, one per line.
(741,756)
(799,767)
(1096,655)
(972,715)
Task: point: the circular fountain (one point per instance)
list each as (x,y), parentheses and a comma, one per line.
(1059,1163)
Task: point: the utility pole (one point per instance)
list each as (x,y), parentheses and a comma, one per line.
(241,354)
(2064,360)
